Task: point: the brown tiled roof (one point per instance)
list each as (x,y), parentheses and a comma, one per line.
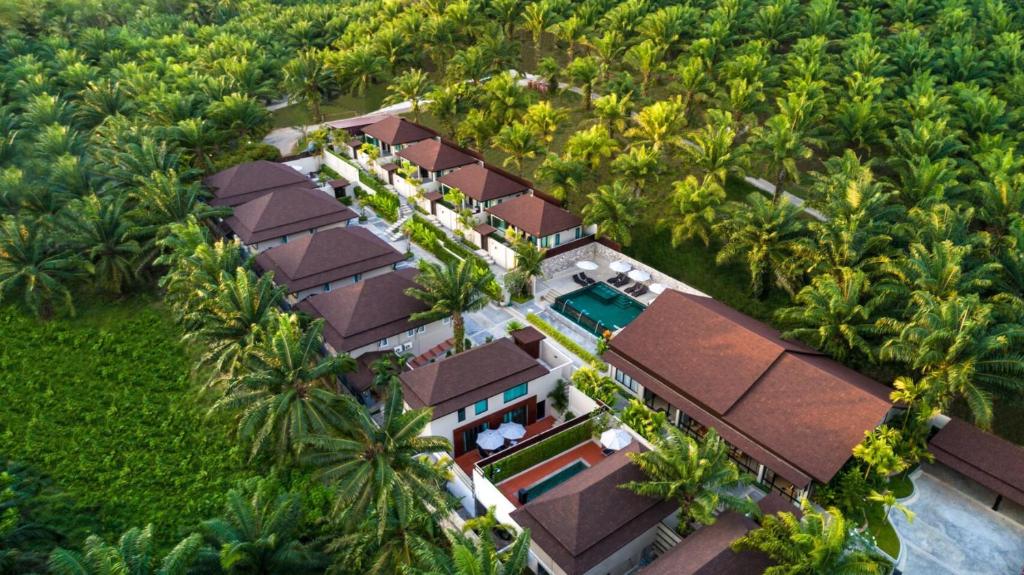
(356,124)
(327,256)
(368,311)
(361,379)
(527,335)
(484,229)
(781,402)
(482,183)
(433,196)
(990,460)
(394,130)
(434,155)
(708,551)
(470,376)
(535,216)
(286,211)
(239,184)
(774,503)
(338,183)
(589,517)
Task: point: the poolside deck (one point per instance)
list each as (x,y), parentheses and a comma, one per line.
(561,284)
(590,452)
(467,460)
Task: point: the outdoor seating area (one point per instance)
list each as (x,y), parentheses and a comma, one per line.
(467,460)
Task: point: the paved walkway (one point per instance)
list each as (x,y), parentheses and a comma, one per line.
(954,532)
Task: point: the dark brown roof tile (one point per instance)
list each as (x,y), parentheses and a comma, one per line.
(535,216)
(286,211)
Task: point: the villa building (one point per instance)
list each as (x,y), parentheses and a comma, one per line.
(433,159)
(328,260)
(506,380)
(791,415)
(244,182)
(389,135)
(538,221)
(284,214)
(373,316)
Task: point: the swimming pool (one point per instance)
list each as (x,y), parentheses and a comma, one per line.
(545,485)
(598,307)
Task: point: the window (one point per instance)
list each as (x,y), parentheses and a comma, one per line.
(284,239)
(625,380)
(357,277)
(406,346)
(558,239)
(545,242)
(515,393)
(411,332)
(327,287)
(462,414)
(480,407)
(421,329)
(579,233)
(383,343)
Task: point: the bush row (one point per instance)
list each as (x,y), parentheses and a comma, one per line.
(561,338)
(542,451)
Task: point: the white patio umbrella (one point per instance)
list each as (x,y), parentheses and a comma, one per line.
(616,438)
(587,265)
(657,288)
(639,275)
(512,430)
(490,439)
(620,266)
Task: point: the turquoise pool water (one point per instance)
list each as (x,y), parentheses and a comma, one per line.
(598,307)
(542,487)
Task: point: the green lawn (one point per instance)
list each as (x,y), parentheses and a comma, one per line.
(344,106)
(103,404)
(883,531)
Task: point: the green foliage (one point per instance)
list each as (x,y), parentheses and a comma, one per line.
(596,384)
(644,420)
(428,237)
(561,338)
(538,452)
(113,418)
(382,200)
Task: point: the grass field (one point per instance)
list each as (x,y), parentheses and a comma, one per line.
(343,106)
(102,403)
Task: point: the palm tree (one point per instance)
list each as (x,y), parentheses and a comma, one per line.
(695,209)
(286,391)
(543,120)
(259,532)
(446,103)
(306,78)
(100,229)
(835,313)
(647,58)
(537,17)
(584,72)
(471,64)
(451,290)
(564,175)
(591,145)
(163,200)
(776,148)
(243,115)
(386,370)
(710,148)
(960,350)
(819,543)
(659,124)
(479,557)
(569,31)
(231,319)
(199,138)
(764,235)
(380,468)
(697,474)
(943,271)
(134,554)
(408,539)
(506,12)
(412,85)
(638,166)
(614,110)
(34,270)
(615,210)
(358,67)
(529,258)
(607,48)
(519,142)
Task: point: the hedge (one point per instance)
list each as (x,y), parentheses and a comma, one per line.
(561,338)
(542,451)
(428,237)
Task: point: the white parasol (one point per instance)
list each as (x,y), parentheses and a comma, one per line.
(657,288)
(490,439)
(616,439)
(587,265)
(639,275)
(620,266)
(512,430)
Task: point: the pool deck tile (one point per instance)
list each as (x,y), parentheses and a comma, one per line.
(589,452)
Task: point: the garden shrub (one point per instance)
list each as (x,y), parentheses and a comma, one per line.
(546,449)
(561,338)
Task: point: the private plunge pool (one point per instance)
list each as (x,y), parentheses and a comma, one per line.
(598,307)
(552,481)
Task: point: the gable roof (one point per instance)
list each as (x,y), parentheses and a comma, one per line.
(986,458)
(367,311)
(781,402)
(393,130)
(435,155)
(357,123)
(589,517)
(239,184)
(327,256)
(470,376)
(708,551)
(535,216)
(286,211)
(482,183)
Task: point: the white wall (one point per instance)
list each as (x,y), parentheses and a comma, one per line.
(260,247)
(434,334)
(445,425)
(488,495)
(344,169)
(579,402)
(503,255)
(305,165)
(627,557)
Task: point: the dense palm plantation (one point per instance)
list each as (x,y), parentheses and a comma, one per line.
(898,122)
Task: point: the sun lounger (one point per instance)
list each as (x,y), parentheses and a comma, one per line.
(579,280)
(643,289)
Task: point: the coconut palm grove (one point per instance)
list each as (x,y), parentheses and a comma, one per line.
(297,286)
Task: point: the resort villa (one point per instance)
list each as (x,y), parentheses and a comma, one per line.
(276,217)
(505,381)
(244,182)
(431,159)
(480,186)
(328,260)
(536,220)
(389,135)
(791,415)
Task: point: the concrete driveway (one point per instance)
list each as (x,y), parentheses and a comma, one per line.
(956,532)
